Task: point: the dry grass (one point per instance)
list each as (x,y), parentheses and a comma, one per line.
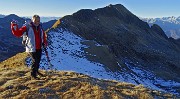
(56,23)
(16,83)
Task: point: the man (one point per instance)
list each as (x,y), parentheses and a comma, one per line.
(35,40)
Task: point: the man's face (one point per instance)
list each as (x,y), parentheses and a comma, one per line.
(36,21)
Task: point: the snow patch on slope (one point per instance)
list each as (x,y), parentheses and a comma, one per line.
(148,79)
(65,51)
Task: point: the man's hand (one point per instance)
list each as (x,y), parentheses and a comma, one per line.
(14,25)
(44,45)
(13,22)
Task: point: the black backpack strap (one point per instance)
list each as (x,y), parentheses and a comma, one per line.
(28,24)
(41,30)
(25,34)
(27,29)
(40,26)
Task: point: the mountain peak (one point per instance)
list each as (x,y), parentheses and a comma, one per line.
(108,13)
(117,7)
(117,10)
(11,16)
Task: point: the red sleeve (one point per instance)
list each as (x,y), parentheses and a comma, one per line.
(45,38)
(16,31)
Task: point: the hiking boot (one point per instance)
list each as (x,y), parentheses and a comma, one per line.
(33,75)
(35,78)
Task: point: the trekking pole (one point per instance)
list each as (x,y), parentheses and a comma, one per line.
(50,66)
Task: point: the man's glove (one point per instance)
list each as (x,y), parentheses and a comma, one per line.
(13,22)
(14,25)
(44,45)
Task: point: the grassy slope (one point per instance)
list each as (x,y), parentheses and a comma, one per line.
(15,82)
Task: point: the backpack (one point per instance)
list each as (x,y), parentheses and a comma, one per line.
(25,34)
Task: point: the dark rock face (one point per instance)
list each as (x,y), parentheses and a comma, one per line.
(159,30)
(178,41)
(128,37)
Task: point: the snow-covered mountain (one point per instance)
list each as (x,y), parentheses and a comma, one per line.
(112,43)
(171,25)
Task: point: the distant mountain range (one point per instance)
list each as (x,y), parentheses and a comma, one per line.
(1,16)
(171,25)
(9,44)
(45,19)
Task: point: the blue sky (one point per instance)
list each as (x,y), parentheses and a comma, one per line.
(142,8)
